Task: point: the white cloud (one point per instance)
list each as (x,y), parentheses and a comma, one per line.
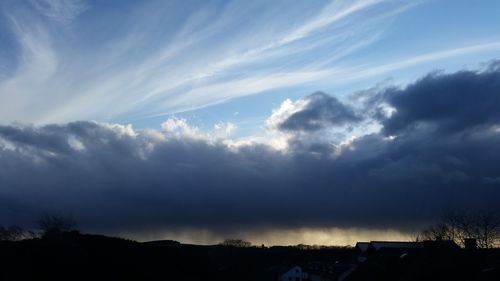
(62,11)
(284,111)
(179,127)
(361,72)
(144,73)
(225,129)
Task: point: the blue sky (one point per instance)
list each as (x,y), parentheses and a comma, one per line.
(142,62)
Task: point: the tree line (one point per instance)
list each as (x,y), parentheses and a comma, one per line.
(48,224)
(458,226)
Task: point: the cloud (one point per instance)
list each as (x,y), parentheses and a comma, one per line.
(113,178)
(365,71)
(62,11)
(318,124)
(320,111)
(77,60)
(60,74)
(446,103)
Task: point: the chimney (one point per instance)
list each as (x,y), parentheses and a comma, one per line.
(470,244)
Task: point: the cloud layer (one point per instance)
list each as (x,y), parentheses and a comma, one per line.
(149,59)
(437,150)
(64,61)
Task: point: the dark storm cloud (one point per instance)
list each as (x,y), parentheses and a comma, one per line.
(321,111)
(447,102)
(112,179)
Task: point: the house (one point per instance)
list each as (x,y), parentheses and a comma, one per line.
(366,248)
(373,246)
(317,271)
(328,271)
(440,245)
(293,274)
(377,245)
(362,247)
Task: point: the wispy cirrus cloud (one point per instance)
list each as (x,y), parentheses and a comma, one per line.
(62,11)
(175,70)
(185,56)
(369,71)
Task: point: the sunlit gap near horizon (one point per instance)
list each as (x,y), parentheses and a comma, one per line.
(280,237)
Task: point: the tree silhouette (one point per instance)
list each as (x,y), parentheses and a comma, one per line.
(15,233)
(487,228)
(483,226)
(52,224)
(236,243)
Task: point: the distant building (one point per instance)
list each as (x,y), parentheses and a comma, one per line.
(328,271)
(440,245)
(362,247)
(470,244)
(318,271)
(365,248)
(293,274)
(377,245)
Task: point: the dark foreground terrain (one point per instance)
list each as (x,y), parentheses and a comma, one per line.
(74,256)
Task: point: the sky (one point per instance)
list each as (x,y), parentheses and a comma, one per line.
(316,122)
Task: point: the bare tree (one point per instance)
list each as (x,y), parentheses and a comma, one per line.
(15,233)
(236,243)
(487,228)
(434,232)
(484,226)
(51,224)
